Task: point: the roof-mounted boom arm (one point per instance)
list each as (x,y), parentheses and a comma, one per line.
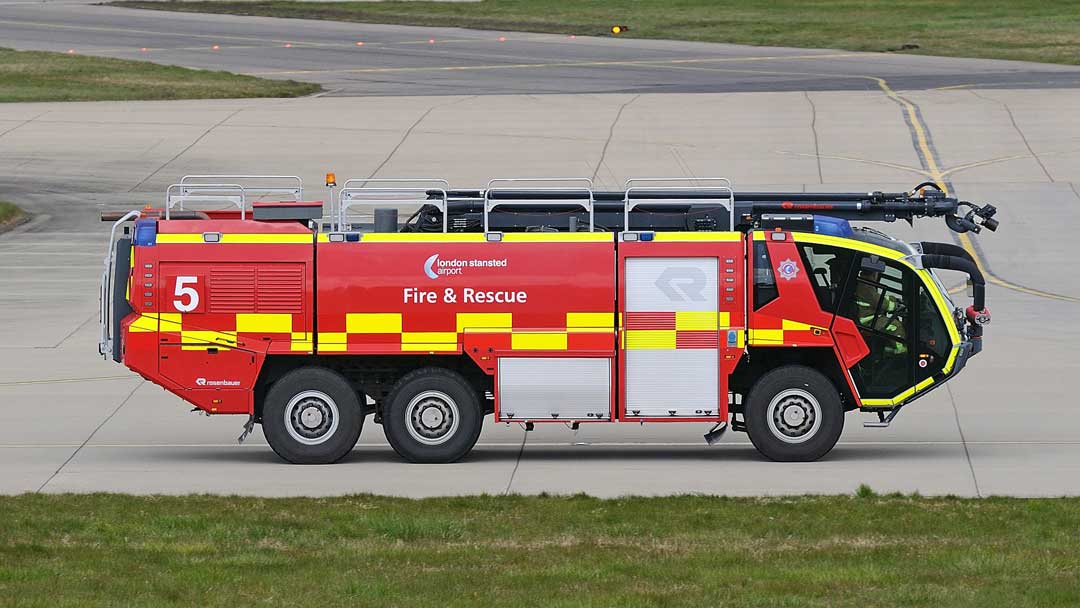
(466,208)
(925,200)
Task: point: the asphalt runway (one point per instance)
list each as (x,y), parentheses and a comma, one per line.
(72,422)
(399,60)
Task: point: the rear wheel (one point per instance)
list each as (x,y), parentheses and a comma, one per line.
(794,414)
(432,415)
(312,415)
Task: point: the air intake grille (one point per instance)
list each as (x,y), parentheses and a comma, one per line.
(267,288)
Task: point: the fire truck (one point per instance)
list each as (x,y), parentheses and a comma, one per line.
(537,301)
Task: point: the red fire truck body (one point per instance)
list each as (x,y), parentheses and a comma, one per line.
(307,331)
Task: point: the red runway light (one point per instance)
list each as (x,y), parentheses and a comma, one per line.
(359,43)
(431,41)
(143,49)
(215,48)
(288,45)
(71,51)
(502,38)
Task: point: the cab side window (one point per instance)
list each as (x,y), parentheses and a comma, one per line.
(829,268)
(764,280)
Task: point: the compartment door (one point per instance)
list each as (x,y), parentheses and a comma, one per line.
(671,337)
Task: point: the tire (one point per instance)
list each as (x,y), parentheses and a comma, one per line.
(794,414)
(432,415)
(312,415)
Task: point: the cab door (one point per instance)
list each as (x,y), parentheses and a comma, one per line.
(879,300)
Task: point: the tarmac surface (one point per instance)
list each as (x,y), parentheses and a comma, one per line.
(1007,425)
(399,60)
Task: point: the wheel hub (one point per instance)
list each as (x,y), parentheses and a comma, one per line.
(794,416)
(311,417)
(432,417)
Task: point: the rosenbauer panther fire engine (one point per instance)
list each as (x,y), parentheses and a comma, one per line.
(537,301)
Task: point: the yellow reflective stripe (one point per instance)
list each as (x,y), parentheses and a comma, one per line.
(650,339)
(721,237)
(429,337)
(373,323)
(332,341)
(806,237)
(234,238)
(144,323)
(428,347)
(925,383)
(699,321)
(584,322)
(558,237)
(766,336)
(301,341)
(422,237)
(264,323)
(203,339)
(179,238)
(538,341)
(485,322)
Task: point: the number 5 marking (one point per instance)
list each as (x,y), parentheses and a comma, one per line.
(183,289)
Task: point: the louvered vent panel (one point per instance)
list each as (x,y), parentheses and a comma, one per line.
(232,289)
(280,288)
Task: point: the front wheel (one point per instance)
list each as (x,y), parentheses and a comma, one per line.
(794,414)
(432,415)
(312,415)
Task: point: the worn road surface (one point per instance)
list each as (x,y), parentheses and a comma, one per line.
(1001,132)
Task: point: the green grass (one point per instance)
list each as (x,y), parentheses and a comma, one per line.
(1033,30)
(42,76)
(9,213)
(861,550)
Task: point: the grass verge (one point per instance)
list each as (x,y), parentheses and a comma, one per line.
(43,76)
(862,550)
(1031,30)
(10,214)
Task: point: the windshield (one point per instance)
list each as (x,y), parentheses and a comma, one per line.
(941,288)
(874,237)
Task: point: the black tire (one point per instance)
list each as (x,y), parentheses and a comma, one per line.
(432,415)
(312,415)
(807,416)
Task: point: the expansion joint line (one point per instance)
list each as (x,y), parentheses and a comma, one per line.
(924,148)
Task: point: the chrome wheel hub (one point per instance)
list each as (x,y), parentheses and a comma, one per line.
(794,416)
(311,417)
(432,417)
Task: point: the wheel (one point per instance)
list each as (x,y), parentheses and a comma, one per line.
(312,415)
(794,414)
(432,415)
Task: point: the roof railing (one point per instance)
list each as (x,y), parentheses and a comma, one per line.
(231,189)
(357,192)
(581,195)
(720,185)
